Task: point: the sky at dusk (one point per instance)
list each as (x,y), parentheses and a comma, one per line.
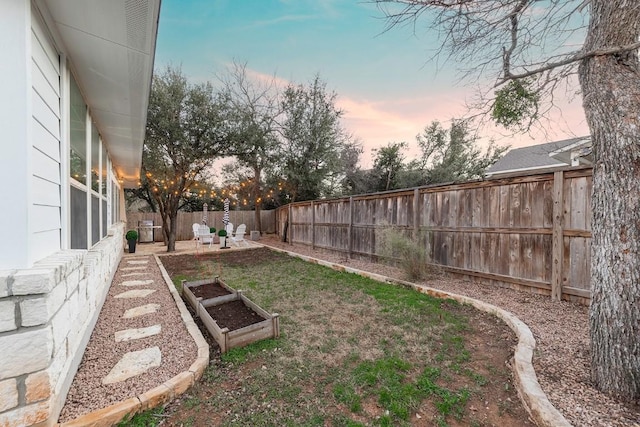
(386,83)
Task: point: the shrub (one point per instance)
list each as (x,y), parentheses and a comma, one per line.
(222,233)
(409,253)
(131,235)
(212,230)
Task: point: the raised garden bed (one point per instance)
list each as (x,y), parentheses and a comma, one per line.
(231,318)
(207,289)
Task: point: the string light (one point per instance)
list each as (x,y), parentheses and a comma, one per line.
(237,193)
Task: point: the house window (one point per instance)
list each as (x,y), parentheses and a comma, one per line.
(104,171)
(78,129)
(95,220)
(95,158)
(78,211)
(78,205)
(103,189)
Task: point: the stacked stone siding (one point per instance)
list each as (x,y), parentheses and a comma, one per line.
(47,314)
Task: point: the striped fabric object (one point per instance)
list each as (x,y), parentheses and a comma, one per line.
(225,217)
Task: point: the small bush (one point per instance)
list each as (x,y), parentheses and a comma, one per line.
(212,230)
(222,233)
(409,253)
(131,235)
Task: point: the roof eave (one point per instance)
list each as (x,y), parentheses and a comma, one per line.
(111,50)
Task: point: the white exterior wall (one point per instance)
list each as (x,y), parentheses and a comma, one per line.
(15,120)
(31,150)
(50,297)
(45,207)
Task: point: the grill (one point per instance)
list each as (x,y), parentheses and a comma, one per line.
(145,231)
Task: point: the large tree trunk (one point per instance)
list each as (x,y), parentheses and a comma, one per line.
(257,194)
(611,96)
(171,242)
(173,205)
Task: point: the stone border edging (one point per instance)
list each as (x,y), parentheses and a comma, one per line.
(163,393)
(533,398)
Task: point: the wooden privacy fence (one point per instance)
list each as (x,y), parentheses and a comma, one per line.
(186,220)
(531,231)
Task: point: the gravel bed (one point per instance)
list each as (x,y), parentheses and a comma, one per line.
(561,330)
(177,348)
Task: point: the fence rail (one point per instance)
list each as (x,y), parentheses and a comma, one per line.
(214,219)
(531,231)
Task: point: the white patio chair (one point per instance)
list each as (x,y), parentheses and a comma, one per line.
(239,236)
(204,236)
(229,229)
(195,227)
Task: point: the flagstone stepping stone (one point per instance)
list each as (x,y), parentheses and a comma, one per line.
(137,293)
(141,311)
(140,273)
(134,363)
(136,282)
(133,268)
(146,261)
(138,333)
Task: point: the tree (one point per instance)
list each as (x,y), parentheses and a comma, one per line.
(251,108)
(134,196)
(531,42)
(388,162)
(182,139)
(313,140)
(453,154)
(354,180)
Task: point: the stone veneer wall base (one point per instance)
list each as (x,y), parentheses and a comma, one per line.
(77,358)
(47,317)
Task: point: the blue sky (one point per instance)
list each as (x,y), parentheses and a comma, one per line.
(385,82)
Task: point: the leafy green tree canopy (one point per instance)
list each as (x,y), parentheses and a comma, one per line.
(313,139)
(183,137)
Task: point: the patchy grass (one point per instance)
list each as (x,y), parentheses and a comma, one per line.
(150,418)
(353,352)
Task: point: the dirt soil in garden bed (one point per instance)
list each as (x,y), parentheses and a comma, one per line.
(233,315)
(209,290)
(489,341)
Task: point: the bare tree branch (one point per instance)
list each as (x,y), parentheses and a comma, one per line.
(575,58)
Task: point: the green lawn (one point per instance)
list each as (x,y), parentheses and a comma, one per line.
(352,352)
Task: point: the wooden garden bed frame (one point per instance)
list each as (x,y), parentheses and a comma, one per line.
(226,339)
(195,301)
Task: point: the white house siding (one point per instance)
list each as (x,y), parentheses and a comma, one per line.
(48,305)
(45,210)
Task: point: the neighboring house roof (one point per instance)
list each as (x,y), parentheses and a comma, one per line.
(112,46)
(542,156)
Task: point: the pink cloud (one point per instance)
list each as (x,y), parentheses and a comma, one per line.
(377,123)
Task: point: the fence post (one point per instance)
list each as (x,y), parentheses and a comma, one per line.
(313,226)
(557,236)
(349,229)
(290,219)
(416,213)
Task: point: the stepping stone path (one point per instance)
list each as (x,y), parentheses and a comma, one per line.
(138,293)
(136,362)
(141,311)
(136,283)
(134,274)
(138,333)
